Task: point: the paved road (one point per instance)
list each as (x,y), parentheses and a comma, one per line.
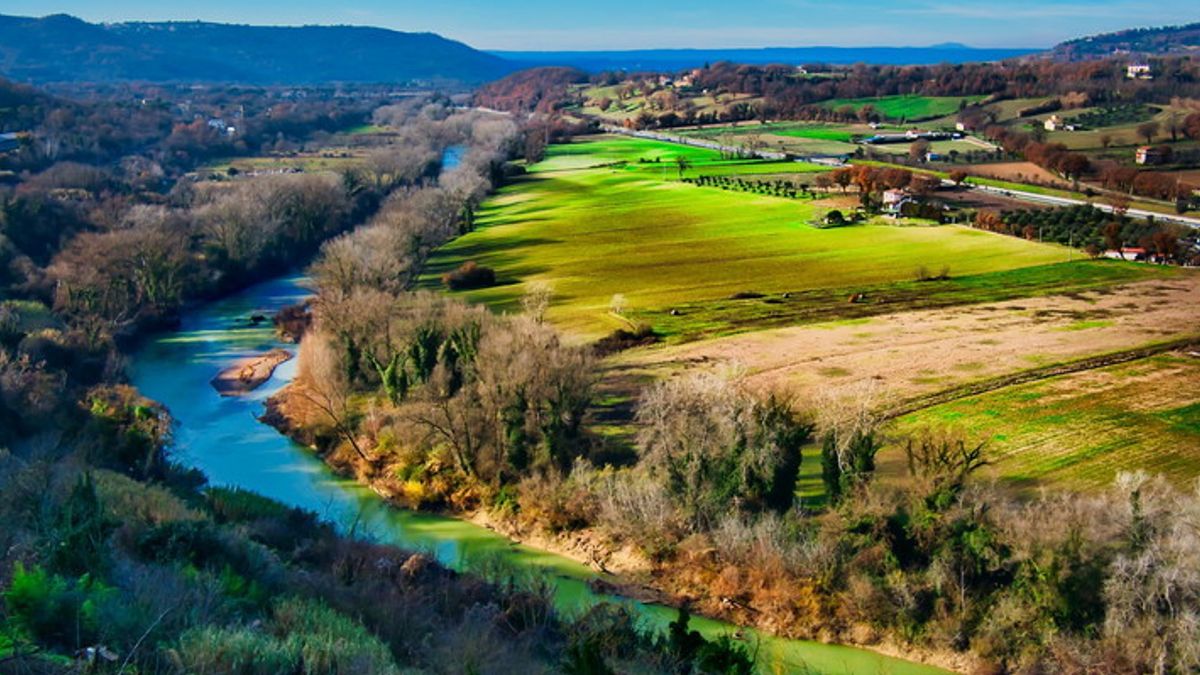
(1066,201)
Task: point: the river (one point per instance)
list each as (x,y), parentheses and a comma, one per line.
(223,438)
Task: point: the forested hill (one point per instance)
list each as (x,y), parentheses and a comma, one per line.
(1135,41)
(62,48)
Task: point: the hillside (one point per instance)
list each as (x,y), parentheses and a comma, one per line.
(62,48)
(1136,41)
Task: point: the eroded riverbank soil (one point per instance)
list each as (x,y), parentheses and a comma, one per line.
(249,374)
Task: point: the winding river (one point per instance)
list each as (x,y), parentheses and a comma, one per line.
(223,438)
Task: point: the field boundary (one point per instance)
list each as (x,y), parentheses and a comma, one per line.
(1035,374)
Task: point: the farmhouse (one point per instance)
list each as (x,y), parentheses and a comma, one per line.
(1126,253)
(1148,154)
(894,200)
(1139,71)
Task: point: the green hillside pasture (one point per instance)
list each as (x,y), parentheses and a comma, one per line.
(824,132)
(593,234)
(940,147)
(608,150)
(1084,428)
(755,168)
(909,107)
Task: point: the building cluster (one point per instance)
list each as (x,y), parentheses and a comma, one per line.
(1139,71)
(910,136)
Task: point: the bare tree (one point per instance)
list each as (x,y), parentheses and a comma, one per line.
(1148,130)
(323,383)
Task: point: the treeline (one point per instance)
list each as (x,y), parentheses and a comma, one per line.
(789,189)
(151,133)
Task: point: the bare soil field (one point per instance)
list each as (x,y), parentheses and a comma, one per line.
(913,354)
(977,199)
(1019,172)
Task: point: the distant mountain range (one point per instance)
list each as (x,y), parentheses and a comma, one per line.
(680,59)
(1135,42)
(62,48)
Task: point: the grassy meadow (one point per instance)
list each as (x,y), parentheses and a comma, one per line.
(599,219)
(909,107)
(729,315)
(1081,429)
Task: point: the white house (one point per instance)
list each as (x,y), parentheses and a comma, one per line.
(1139,71)
(893,200)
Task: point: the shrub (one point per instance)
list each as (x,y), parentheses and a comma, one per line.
(52,609)
(235,505)
(304,637)
(235,650)
(469,275)
(128,501)
(622,339)
(132,429)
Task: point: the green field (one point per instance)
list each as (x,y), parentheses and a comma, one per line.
(908,107)
(725,316)
(842,133)
(593,222)
(1082,429)
(637,153)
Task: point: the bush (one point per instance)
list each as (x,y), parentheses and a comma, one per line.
(622,339)
(304,637)
(235,505)
(469,275)
(54,610)
(235,650)
(128,501)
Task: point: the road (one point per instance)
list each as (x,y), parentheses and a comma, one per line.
(1067,201)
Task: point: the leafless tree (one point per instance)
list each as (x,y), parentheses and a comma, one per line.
(323,383)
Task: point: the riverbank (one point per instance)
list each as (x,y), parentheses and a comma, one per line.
(696,577)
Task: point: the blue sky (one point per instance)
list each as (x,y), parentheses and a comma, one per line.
(631,24)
